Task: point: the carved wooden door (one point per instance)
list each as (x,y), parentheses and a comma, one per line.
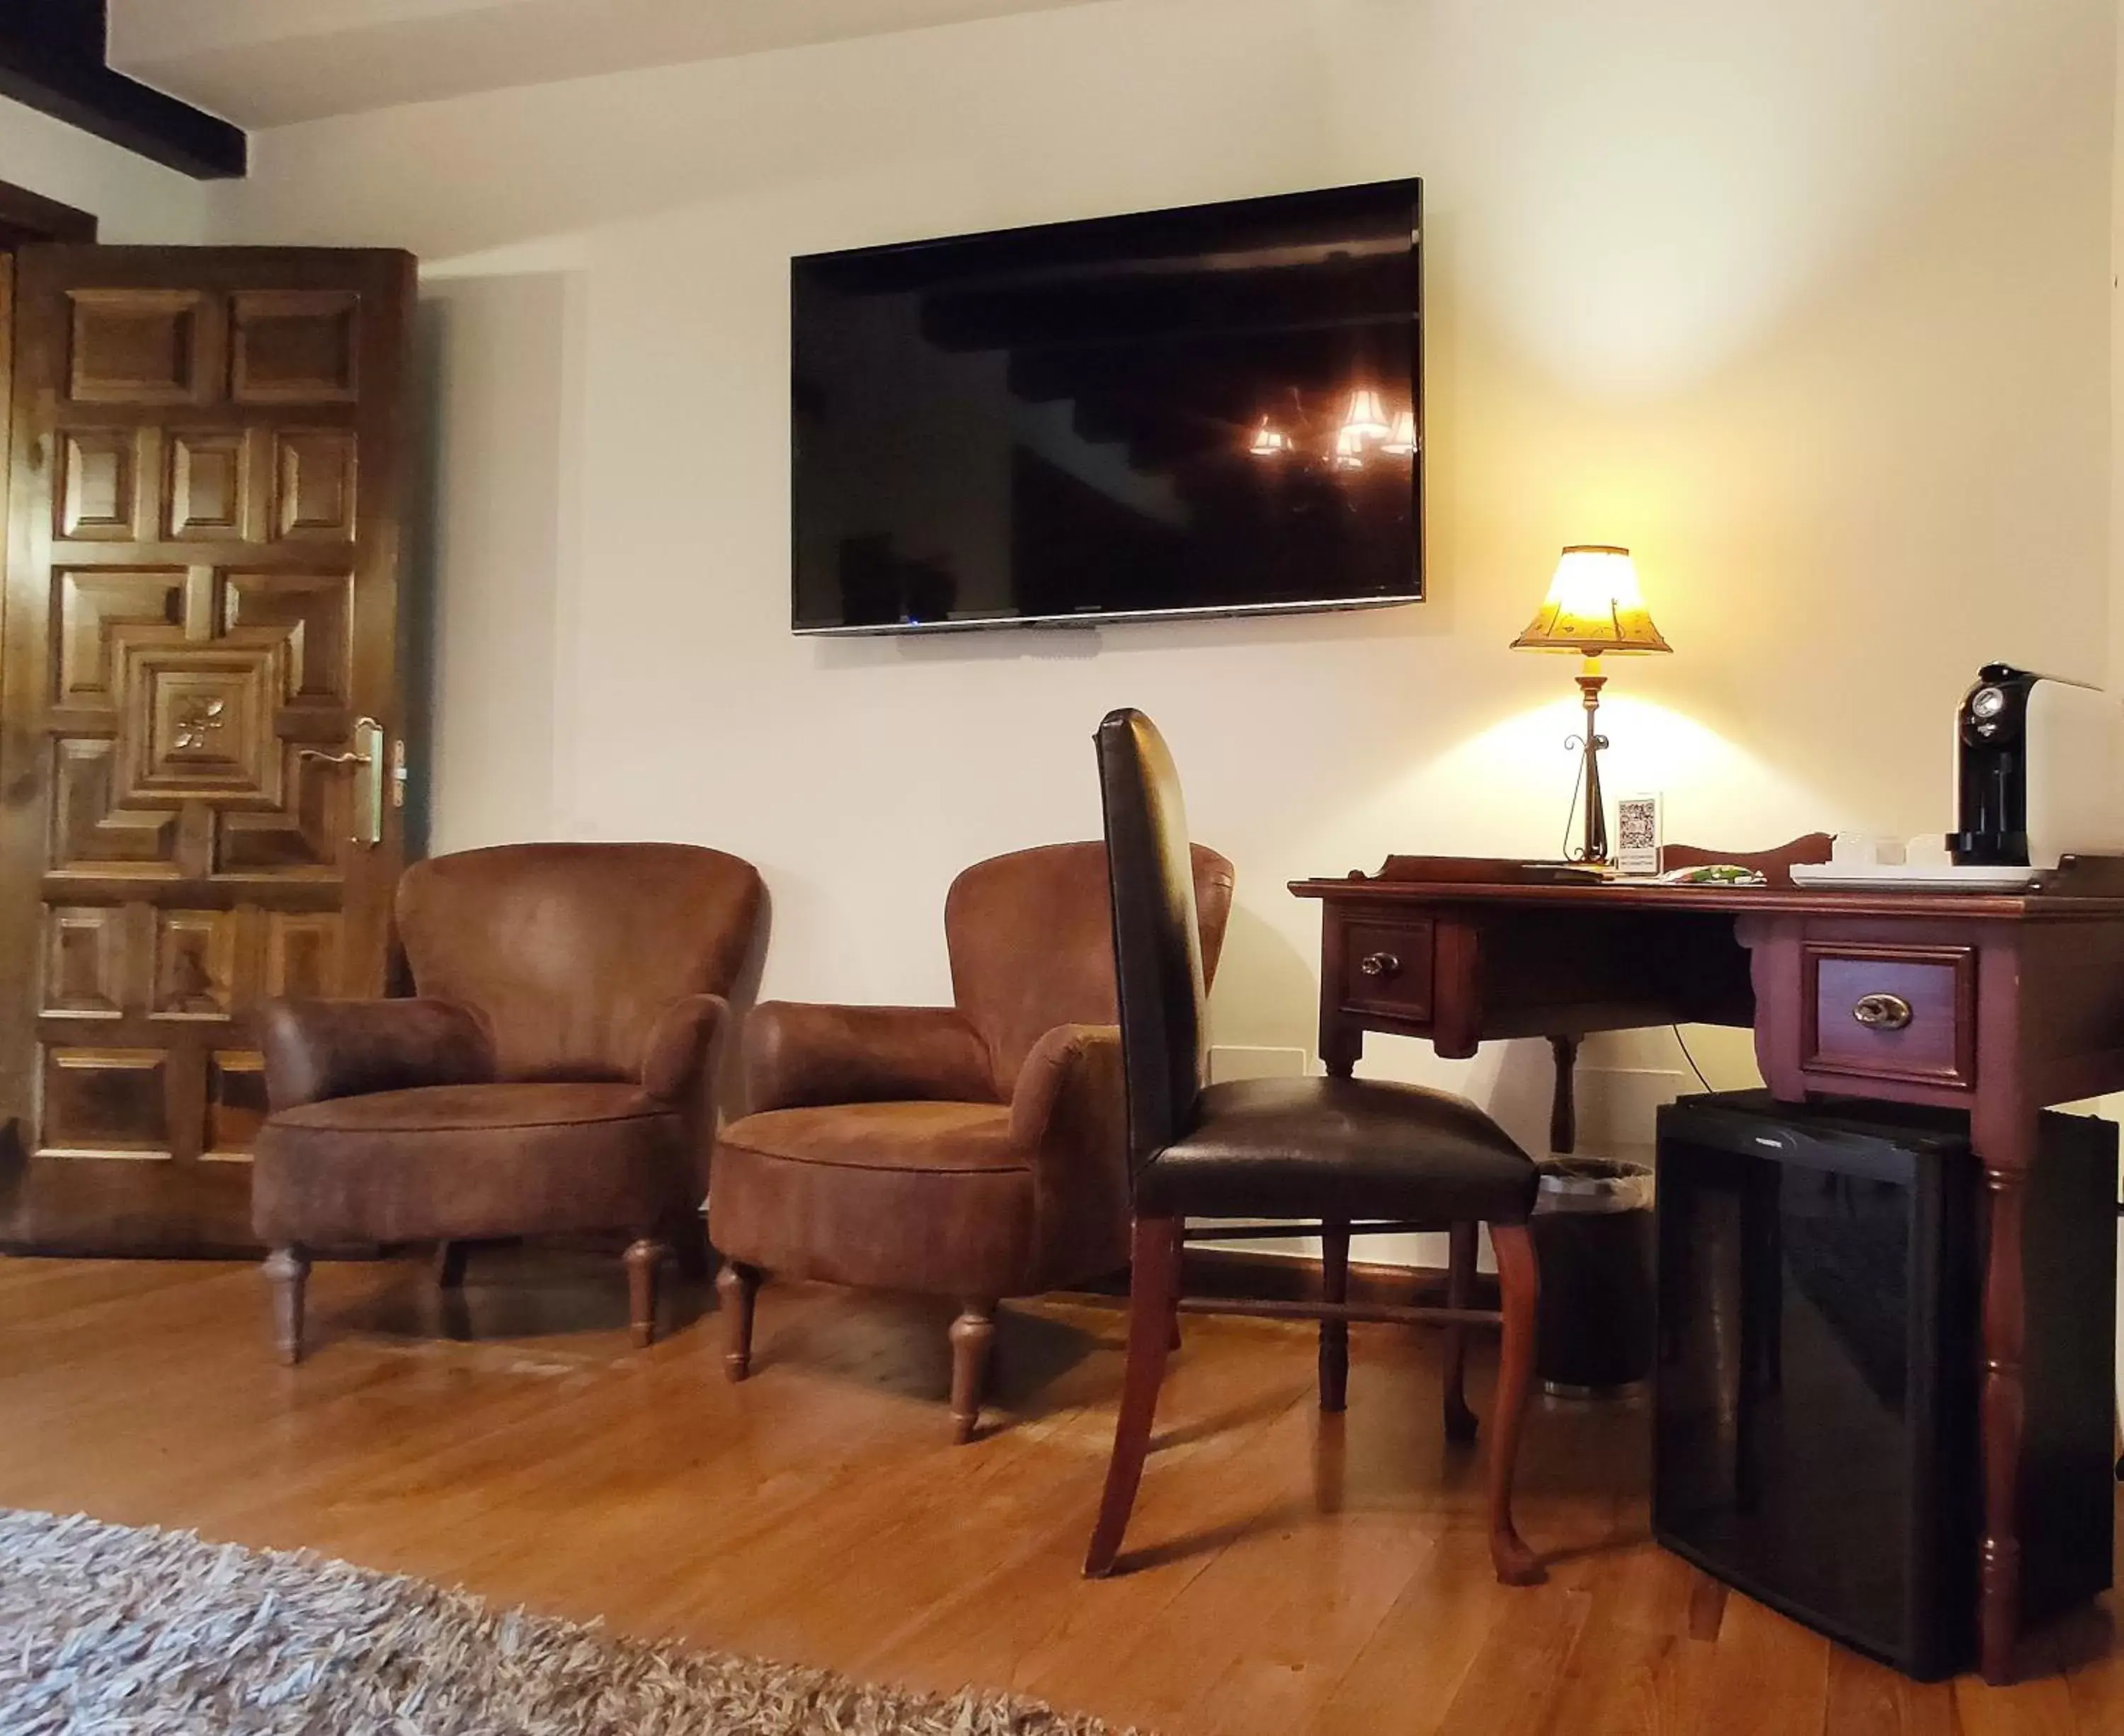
(201,626)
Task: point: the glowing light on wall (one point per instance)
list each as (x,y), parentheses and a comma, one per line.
(1506,786)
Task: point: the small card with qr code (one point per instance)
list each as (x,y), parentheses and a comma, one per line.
(1638,834)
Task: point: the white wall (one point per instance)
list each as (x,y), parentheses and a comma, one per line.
(1805,302)
(137,200)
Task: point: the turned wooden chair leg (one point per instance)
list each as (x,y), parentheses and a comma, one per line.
(1156,1254)
(973,1337)
(643,1256)
(1334,1335)
(1518,1285)
(736,1285)
(1460,1293)
(450,1258)
(287,1271)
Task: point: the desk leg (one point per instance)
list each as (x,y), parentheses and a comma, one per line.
(1563,1104)
(2007,1147)
(1341,1038)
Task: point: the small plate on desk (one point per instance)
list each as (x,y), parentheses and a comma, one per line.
(1913,877)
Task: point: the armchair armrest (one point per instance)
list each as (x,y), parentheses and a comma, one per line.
(674,1065)
(797,1055)
(1070,1111)
(1072,1084)
(319,1049)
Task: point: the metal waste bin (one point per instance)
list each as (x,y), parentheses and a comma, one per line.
(1594,1238)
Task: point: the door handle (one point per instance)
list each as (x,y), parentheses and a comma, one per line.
(366,757)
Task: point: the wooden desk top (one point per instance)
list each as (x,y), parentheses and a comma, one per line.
(2101,899)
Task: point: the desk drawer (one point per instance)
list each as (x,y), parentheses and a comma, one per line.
(1905,1013)
(1386,967)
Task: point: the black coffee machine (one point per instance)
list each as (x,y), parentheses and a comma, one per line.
(1991,757)
(2039,771)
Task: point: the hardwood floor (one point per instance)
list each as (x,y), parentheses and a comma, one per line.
(1293,1573)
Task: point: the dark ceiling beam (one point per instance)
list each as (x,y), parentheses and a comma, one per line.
(52,59)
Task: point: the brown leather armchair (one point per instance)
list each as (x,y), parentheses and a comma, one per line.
(974,1151)
(552,1075)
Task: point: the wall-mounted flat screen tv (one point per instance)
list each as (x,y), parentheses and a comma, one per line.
(1207,410)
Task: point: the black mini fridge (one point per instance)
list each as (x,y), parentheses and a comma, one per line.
(1815,1395)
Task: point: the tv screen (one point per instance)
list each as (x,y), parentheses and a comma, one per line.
(1205,410)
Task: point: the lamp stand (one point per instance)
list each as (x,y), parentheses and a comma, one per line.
(1590,681)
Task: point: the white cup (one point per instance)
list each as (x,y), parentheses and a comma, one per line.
(1862,849)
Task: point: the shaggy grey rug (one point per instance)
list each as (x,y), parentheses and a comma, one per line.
(120,1632)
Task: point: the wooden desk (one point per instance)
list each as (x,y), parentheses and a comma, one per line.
(2013,1003)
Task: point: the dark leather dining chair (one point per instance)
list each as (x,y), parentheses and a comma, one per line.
(1351,1155)
(973,1152)
(551,1074)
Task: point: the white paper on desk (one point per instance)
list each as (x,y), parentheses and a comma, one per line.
(1638,834)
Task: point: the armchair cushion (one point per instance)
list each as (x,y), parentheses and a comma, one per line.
(797,1055)
(466,1161)
(919,1135)
(922,1196)
(317,1050)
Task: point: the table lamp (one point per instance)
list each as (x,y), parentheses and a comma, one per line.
(1593,607)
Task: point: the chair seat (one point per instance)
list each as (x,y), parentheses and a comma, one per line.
(447,1109)
(465,1161)
(923,1136)
(926,1196)
(1350,1148)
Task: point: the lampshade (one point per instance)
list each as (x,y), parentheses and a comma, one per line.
(1593,606)
(1269,440)
(1366,415)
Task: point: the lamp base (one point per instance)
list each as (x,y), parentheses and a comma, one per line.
(1594,850)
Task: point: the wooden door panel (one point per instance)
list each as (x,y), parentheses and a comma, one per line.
(313,483)
(295,347)
(98,485)
(134,345)
(205,496)
(200,604)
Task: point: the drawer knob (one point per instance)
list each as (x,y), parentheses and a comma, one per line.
(1380,964)
(1881,1012)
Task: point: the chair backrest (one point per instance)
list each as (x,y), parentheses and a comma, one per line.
(1030,936)
(571,952)
(1158,959)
